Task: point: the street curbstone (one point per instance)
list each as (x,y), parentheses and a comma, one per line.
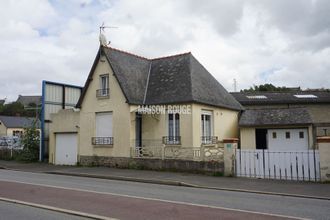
(184,184)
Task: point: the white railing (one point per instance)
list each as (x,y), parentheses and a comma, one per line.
(184,153)
(147,152)
(203,153)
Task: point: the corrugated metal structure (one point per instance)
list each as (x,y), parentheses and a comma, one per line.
(55,96)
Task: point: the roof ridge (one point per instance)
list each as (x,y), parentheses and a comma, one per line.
(150,59)
(191,80)
(129,53)
(274,108)
(169,56)
(147,84)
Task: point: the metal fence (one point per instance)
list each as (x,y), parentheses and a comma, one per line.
(10,146)
(301,165)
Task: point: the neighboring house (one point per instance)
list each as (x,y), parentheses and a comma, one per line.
(283,120)
(14,126)
(110,125)
(29,100)
(2,101)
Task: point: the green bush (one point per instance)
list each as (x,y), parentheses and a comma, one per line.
(30,142)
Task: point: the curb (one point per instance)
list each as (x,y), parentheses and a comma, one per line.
(55,209)
(178,183)
(123,178)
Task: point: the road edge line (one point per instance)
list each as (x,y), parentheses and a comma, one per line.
(163,200)
(56,209)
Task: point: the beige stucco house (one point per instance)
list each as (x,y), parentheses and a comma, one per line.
(130,103)
(14,125)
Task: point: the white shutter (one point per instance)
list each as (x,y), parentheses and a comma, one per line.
(104,124)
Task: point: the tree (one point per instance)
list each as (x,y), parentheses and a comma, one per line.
(30,142)
(17,109)
(12,109)
(268,87)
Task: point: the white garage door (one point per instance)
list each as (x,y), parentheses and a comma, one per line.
(66,149)
(287,139)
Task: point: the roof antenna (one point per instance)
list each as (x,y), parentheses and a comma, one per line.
(102,38)
(235,85)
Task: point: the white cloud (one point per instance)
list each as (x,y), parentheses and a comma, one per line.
(280,42)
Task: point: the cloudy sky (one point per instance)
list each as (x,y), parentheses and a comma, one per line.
(283,42)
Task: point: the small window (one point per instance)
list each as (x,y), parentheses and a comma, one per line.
(104,86)
(274,135)
(256,97)
(287,135)
(301,134)
(17,133)
(305,96)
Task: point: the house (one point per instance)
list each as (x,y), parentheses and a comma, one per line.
(130,103)
(14,125)
(2,101)
(290,120)
(28,101)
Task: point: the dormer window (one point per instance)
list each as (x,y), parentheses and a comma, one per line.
(305,96)
(103,92)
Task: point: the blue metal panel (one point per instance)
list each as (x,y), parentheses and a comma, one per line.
(43,109)
(42,150)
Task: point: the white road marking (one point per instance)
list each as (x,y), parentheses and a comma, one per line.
(52,208)
(155,199)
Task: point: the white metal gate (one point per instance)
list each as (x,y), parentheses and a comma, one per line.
(296,165)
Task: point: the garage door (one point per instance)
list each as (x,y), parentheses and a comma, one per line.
(287,139)
(66,149)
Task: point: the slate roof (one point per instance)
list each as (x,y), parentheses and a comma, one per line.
(17,122)
(273,117)
(2,101)
(26,100)
(282,97)
(167,80)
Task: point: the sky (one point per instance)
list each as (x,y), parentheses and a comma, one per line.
(286,43)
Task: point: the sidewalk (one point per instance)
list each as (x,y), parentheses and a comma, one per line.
(277,187)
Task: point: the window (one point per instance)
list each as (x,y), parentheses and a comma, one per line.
(104,86)
(305,96)
(287,135)
(301,134)
(256,97)
(274,135)
(206,122)
(173,129)
(103,121)
(17,133)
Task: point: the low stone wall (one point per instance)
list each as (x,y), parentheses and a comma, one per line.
(208,167)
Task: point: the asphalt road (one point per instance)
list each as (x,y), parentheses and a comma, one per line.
(12,211)
(127,200)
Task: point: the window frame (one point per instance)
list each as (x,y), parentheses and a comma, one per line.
(104,87)
(287,135)
(203,117)
(274,135)
(173,130)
